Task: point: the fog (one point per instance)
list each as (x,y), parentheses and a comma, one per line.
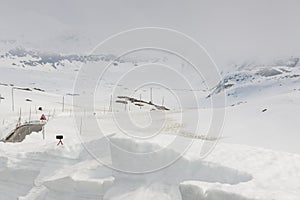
(231,31)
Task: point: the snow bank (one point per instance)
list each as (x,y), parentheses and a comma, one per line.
(164,183)
(193,192)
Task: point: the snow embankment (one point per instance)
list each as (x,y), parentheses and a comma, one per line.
(192,192)
(163,182)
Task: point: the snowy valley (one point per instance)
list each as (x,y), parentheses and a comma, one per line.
(257,157)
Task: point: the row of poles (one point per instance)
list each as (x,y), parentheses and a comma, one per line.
(63,100)
(13,100)
(63,107)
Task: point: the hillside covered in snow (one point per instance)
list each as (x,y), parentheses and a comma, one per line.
(256,157)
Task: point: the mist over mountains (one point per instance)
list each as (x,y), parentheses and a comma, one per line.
(230,34)
(33,57)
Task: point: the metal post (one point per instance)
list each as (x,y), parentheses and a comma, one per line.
(80,126)
(12,99)
(140,100)
(151,94)
(20,116)
(63,104)
(43,133)
(110,104)
(30,114)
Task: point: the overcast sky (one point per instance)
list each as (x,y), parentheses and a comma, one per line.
(230,30)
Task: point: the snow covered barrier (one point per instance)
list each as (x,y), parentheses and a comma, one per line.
(195,192)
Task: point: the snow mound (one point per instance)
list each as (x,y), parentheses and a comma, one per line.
(192,192)
(16,182)
(144,162)
(151,185)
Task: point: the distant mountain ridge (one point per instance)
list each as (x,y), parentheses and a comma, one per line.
(244,76)
(267,79)
(35,58)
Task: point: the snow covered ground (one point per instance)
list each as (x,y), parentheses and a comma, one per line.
(257,156)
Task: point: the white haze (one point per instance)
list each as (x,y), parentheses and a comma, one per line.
(232,31)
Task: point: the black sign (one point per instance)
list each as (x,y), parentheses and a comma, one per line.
(59,137)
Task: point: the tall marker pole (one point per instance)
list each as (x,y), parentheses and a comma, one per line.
(30,114)
(63,104)
(140,100)
(151,94)
(12,99)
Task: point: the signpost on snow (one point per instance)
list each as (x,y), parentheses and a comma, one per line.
(59,137)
